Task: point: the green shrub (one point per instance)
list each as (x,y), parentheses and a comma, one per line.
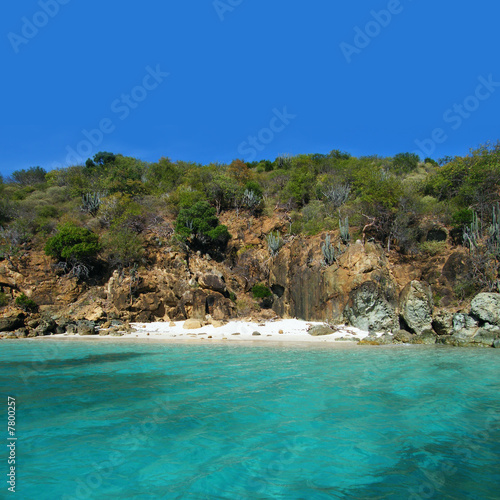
(199,227)
(123,248)
(120,210)
(432,247)
(30,177)
(466,289)
(48,211)
(4,300)
(255,187)
(73,243)
(462,217)
(26,304)
(261,291)
(405,162)
(22,193)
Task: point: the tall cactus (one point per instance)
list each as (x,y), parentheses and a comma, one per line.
(494,231)
(344,231)
(329,254)
(472,233)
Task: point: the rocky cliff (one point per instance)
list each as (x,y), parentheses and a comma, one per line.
(411,298)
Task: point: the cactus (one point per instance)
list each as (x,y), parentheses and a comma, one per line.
(328,250)
(494,231)
(283,160)
(344,231)
(91,203)
(337,195)
(274,243)
(472,233)
(250,199)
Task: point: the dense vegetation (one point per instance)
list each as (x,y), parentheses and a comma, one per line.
(108,209)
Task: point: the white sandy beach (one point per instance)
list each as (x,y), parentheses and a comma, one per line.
(285,330)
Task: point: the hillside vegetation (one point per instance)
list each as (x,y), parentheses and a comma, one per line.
(108,214)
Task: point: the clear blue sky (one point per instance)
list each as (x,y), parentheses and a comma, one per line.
(235,65)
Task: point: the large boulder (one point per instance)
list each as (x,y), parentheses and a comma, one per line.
(47,326)
(11,323)
(403,336)
(191,324)
(369,310)
(442,323)
(463,321)
(486,307)
(193,304)
(486,336)
(415,305)
(86,328)
(426,337)
(219,307)
(212,282)
(320,330)
(199,305)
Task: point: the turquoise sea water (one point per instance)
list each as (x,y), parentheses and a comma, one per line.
(149,420)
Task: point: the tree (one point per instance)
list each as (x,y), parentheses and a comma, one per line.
(30,177)
(123,248)
(239,171)
(299,187)
(405,162)
(74,248)
(163,176)
(200,227)
(101,158)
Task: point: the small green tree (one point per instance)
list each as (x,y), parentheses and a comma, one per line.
(123,248)
(101,158)
(405,162)
(26,304)
(200,227)
(30,177)
(74,248)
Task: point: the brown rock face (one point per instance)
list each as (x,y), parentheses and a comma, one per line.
(219,307)
(212,282)
(456,267)
(307,289)
(362,285)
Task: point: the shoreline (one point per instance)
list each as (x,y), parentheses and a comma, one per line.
(284,331)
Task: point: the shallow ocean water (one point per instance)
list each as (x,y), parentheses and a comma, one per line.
(112,420)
